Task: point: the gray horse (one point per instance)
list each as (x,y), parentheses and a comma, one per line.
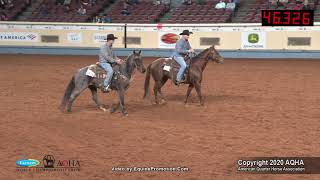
(120,83)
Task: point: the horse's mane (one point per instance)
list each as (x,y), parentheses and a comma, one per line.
(198,56)
(124,67)
(126,60)
(129,56)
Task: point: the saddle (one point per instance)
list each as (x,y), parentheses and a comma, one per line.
(171,62)
(170,65)
(97,72)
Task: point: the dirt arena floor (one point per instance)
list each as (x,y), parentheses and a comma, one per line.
(252,108)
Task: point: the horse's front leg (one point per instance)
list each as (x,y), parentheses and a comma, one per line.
(114,107)
(121,93)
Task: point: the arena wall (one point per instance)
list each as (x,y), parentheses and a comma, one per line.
(156,39)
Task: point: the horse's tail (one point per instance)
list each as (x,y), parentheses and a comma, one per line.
(67,93)
(147,82)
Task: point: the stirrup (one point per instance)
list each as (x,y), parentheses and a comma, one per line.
(105,89)
(179,82)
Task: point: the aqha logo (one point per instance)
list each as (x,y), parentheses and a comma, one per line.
(170,38)
(68,163)
(294,162)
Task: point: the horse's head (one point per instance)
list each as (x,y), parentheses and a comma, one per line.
(213,55)
(138,61)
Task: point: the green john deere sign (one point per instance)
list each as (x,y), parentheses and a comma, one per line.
(253,38)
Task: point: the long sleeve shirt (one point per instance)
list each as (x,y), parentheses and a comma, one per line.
(182,47)
(106,54)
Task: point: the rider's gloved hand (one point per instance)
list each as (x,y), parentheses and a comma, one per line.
(119,61)
(191,50)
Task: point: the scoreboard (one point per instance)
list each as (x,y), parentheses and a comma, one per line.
(287,17)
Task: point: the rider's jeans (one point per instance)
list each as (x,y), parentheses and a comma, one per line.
(180,60)
(108,68)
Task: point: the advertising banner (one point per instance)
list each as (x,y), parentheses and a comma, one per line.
(19,36)
(253,40)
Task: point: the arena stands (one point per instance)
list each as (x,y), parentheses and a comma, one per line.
(206,13)
(251,12)
(10,9)
(144,12)
(50,11)
(317,11)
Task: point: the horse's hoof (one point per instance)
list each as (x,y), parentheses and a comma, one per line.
(163,101)
(69,111)
(113,108)
(103,109)
(112,111)
(125,114)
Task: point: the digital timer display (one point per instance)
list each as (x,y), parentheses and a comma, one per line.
(287,17)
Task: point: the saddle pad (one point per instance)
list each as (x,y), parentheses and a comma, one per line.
(96,71)
(90,72)
(171,63)
(167,68)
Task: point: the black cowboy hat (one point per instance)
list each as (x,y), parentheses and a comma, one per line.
(186,32)
(111,37)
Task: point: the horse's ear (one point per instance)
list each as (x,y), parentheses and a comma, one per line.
(134,51)
(212,47)
(139,52)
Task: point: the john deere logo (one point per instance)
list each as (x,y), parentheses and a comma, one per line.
(253,38)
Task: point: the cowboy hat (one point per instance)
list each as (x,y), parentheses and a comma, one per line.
(110,37)
(186,32)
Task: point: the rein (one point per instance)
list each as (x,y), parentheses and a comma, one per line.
(122,75)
